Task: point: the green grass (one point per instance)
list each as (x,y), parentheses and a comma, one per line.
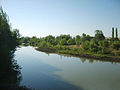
(78,52)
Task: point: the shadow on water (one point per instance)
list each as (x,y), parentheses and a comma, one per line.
(44,72)
(39,75)
(10,75)
(52,82)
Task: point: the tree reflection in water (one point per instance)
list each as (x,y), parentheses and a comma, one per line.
(10,75)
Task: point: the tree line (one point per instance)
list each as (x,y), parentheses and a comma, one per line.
(98,43)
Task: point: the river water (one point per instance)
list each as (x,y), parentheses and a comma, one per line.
(42,71)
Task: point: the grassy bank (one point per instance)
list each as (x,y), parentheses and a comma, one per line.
(77,52)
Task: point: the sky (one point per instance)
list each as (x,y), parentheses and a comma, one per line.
(54,17)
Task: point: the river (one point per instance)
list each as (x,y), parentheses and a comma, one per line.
(43,71)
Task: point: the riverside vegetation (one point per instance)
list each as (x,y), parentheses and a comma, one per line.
(10,75)
(97,47)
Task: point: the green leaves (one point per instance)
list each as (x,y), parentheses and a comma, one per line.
(99,35)
(8,38)
(116,45)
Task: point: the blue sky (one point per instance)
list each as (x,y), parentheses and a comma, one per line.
(54,17)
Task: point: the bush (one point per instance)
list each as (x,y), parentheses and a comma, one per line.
(116,45)
(105,51)
(117,53)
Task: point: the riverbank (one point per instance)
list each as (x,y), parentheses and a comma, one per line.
(79,53)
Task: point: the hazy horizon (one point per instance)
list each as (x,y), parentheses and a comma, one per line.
(54,17)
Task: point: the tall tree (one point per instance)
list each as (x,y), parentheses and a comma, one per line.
(116,33)
(99,35)
(113,33)
(8,38)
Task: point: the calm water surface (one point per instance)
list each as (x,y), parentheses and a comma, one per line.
(55,72)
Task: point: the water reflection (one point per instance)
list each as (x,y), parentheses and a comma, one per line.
(90,60)
(37,74)
(10,75)
(55,72)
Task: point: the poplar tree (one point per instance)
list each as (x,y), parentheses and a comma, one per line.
(113,33)
(116,33)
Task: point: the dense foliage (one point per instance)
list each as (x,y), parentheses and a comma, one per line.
(10,75)
(9,39)
(78,44)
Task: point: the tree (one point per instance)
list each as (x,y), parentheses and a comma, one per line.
(67,37)
(104,43)
(88,38)
(10,76)
(99,35)
(116,33)
(71,41)
(8,39)
(94,47)
(77,40)
(16,37)
(50,39)
(85,45)
(33,41)
(113,33)
(85,37)
(116,45)
(43,44)
(77,37)
(63,42)
(24,40)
